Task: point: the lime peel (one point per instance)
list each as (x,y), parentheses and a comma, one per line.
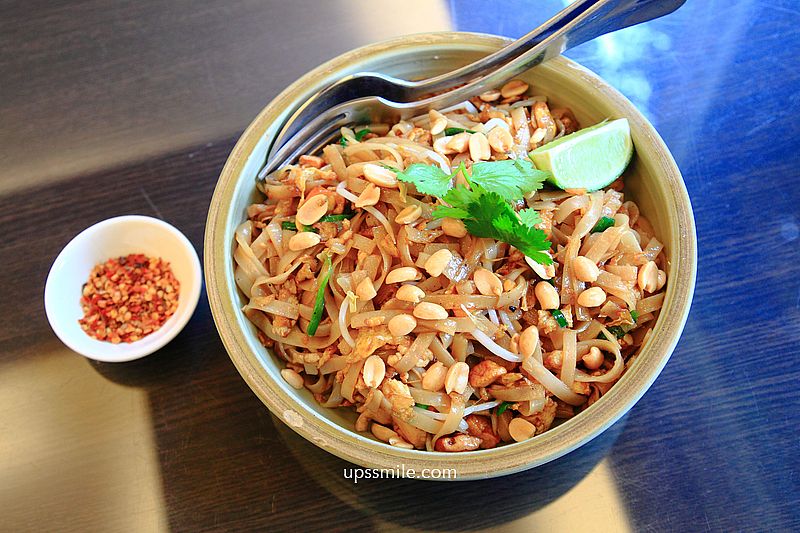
(591,158)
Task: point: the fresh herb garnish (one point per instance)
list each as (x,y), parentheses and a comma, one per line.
(512,179)
(502,408)
(559,316)
(455,131)
(338,218)
(485,206)
(603,224)
(359,136)
(422,406)
(293,227)
(319,304)
(635,316)
(429,179)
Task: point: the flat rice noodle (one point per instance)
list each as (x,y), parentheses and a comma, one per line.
(426,397)
(454,417)
(652,249)
(263,247)
(569,284)
(532,407)
(402,247)
(373,401)
(608,240)
(415,351)
(569,206)
(455,301)
(607,346)
(334,364)
(275,233)
(625,272)
(552,383)
(456,269)
(363,244)
(276,280)
(612,201)
(351,378)
(297,337)
(334,158)
(243,280)
(614,285)
(569,357)
(518,393)
(247,260)
(650,304)
(592,215)
(335,399)
(422,236)
(447,325)
(320,386)
(441,354)
(424,420)
(275,307)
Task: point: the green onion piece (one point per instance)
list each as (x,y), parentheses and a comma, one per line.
(337,218)
(559,316)
(319,304)
(454,131)
(503,407)
(343,142)
(390,167)
(286,224)
(617,331)
(361,134)
(603,224)
(422,406)
(635,316)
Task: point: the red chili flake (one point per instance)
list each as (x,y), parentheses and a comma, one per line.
(128,298)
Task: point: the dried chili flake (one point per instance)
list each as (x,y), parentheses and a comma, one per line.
(128,298)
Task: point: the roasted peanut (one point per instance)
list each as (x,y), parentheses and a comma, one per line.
(457,378)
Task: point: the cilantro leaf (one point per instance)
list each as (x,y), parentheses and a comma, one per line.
(492,217)
(429,179)
(512,179)
(530,217)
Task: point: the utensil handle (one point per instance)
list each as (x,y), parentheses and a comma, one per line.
(576,24)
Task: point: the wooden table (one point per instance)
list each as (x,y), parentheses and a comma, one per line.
(132,107)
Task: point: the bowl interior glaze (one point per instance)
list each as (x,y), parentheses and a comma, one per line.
(653,181)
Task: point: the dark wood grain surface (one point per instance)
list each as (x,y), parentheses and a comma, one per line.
(132,107)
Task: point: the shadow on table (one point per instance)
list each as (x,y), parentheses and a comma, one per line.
(227,463)
(460,506)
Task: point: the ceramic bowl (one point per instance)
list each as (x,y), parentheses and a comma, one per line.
(653,181)
(117,237)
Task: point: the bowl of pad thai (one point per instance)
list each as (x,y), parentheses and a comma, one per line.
(484,287)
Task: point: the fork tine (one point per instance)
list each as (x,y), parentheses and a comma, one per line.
(308,139)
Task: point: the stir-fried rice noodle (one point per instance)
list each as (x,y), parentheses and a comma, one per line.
(326,305)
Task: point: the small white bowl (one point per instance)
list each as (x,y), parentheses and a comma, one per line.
(118,237)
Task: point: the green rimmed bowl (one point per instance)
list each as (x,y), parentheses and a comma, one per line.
(652,180)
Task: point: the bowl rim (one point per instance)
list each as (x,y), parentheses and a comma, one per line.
(190,290)
(353,447)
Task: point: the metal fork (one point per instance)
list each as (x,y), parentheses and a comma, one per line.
(368,97)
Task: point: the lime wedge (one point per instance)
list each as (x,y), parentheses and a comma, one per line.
(588,159)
